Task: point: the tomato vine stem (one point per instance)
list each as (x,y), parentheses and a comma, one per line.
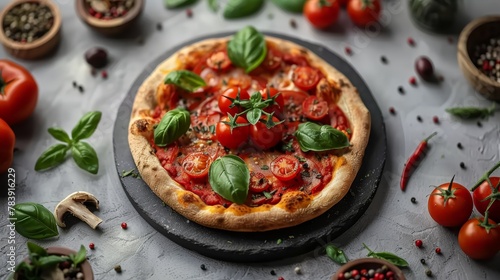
(485,177)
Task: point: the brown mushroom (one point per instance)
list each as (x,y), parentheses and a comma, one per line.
(74,204)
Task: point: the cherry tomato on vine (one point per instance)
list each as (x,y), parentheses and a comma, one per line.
(363,12)
(235,138)
(321,13)
(219,61)
(196,164)
(279,101)
(305,77)
(477,242)
(264,137)
(450,204)
(314,109)
(225,103)
(285,167)
(481,193)
(7,141)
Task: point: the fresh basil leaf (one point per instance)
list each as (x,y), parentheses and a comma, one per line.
(241,8)
(471,112)
(85,157)
(36,249)
(247,49)
(34,221)
(390,257)
(268,195)
(214,5)
(172,126)
(52,157)
(314,137)
(185,79)
(172,4)
(80,256)
(336,254)
(50,260)
(27,269)
(295,6)
(86,126)
(59,134)
(230,178)
(253,116)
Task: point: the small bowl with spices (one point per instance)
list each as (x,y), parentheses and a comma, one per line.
(369,268)
(30,29)
(479,55)
(110,17)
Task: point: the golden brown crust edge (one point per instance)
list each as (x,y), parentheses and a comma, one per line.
(295,207)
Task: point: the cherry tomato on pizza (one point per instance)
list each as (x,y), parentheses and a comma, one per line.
(18,92)
(232,138)
(279,102)
(219,61)
(225,100)
(481,198)
(264,137)
(450,204)
(273,59)
(305,77)
(364,12)
(7,141)
(258,182)
(321,13)
(197,164)
(285,167)
(314,109)
(476,241)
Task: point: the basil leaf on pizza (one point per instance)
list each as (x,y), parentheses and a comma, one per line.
(230,178)
(173,125)
(185,79)
(247,49)
(315,137)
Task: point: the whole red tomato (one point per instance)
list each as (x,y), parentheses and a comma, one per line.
(7,141)
(450,204)
(363,12)
(477,242)
(18,92)
(321,13)
(481,193)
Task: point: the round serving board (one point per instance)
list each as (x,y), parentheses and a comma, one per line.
(259,246)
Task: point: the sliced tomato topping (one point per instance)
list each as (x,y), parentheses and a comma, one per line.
(314,109)
(305,77)
(285,167)
(273,59)
(337,118)
(204,125)
(219,61)
(196,165)
(258,182)
(242,81)
(295,59)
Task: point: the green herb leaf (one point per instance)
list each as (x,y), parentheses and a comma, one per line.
(336,254)
(314,137)
(471,112)
(241,8)
(59,134)
(52,157)
(294,6)
(253,116)
(279,241)
(247,49)
(50,260)
(390,257)
(127,173)
(34,221)
(85,157)
(185,80)
(172,4)
(214,5)
(268,195)
(86,126)
(230,178)
(36,249)
(80,256)
(172,126)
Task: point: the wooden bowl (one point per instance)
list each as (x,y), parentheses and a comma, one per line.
(112,27)
(369,263)
(39,47)
(477,32)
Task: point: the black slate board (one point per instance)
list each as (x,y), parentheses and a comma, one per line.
(264,246)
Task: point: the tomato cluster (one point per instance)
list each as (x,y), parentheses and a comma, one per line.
(324,13)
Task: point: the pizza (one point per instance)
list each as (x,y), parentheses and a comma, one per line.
(248,133)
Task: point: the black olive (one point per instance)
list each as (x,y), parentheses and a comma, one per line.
(96,57)
(424,68)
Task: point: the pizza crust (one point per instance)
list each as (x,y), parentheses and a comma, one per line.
(294,207)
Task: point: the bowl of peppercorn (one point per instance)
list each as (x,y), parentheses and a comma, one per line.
(368,268)
(30,29)
(109,17)
(479,55)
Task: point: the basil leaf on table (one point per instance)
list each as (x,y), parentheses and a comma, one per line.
(230,178)
(85,157)
(50,260)
(185,79)
(315,137)
(86,126)
(172,4)
(52,157)
(36,249)
(247,49)
(172,126)
(59,134)
(241,8)
(471,112)
(214,5)
(335,254)
(390,257)
(295,6)
(34,221)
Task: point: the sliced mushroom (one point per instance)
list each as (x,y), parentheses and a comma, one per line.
(74,204)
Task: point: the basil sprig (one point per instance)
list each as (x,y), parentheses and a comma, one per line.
(172,4)
(230,178)
(335,254)
(82,152)
(247,49)
(315,137)
(172,126)
(34,221)
(295,6)
(390,257)
(471,112)
(241,8)
(185,79)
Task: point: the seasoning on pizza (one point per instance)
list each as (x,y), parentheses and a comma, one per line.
(248,133)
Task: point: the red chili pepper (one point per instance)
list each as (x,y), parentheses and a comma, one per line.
(413,161)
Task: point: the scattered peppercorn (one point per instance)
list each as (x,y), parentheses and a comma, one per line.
(428,272)
(419,118)
(297,270)
(383,59)
(118,268)
(413,81)
(348,51)
(189,13)
(81,89)
(413,200)
(75,84)
(450,40)
(462,165)
(435,119)
(459,145)
(273,272)
(159,26)
(422,261)
(419,243)
(91,246)
(104,74)
(401,90)
(293,23)
(203,267)
(411,42)
(392,111)
(438,250)
(281,278)
(124,225)
(479,124)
